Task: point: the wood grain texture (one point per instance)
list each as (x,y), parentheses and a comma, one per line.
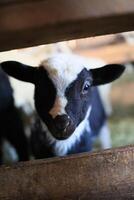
(104,175)
(26,23)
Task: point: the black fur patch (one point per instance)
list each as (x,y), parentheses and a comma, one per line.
(6,92)
(11,125)
(45,94)
(39,143)
(78,103)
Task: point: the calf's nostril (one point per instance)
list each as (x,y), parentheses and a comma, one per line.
(62,122)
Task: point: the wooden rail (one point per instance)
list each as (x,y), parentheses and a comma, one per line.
(104,175)
(26,23)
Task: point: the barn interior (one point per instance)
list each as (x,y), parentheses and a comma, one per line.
(32,31)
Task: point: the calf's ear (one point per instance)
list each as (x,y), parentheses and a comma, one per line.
(20,71)
(106,74)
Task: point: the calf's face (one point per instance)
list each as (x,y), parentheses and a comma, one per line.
(62,109)
(63,89)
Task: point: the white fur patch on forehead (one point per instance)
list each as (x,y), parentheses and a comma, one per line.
(64,68)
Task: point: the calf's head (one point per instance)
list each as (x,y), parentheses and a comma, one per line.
(63,89)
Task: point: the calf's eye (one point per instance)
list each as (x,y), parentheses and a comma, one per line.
(85,87)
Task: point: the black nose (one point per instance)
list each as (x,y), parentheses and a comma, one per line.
(62,122)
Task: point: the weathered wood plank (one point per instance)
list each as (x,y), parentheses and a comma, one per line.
(25,23)
(103,175)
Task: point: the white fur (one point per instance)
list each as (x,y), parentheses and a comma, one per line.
(59,107)
(63,69)
(104,137)
(62,146)
(23,93)
(104,91)
(9,153)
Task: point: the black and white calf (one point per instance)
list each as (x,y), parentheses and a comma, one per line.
(64,94)
(11,126)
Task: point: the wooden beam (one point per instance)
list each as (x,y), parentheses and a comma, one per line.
(26,23)
(102,175)
(119,53)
